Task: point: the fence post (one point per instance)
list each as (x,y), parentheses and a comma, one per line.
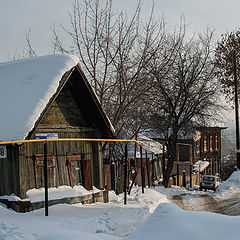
(142,174)
(45,179)
(147,165)
(191,162)
(163,160)
(153,172)
(184,179)
(125,174)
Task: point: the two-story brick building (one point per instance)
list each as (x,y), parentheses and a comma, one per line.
(207,146)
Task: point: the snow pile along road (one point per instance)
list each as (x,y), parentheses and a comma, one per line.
(170,222)
(230,186)
(146,216)
(111,220)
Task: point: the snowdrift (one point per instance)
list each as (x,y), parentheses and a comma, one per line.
(230,186)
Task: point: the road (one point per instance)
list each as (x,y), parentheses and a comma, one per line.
(209,202)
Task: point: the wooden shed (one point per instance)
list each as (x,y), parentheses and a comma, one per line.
(49,97)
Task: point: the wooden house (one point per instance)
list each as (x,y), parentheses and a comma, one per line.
(49,97)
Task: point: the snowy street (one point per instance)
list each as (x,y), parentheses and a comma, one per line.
(208,202)
(150,215)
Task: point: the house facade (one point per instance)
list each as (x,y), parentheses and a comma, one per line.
(207,145)
(66,107)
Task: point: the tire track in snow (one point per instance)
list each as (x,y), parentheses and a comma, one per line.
(206,202)
(195,202)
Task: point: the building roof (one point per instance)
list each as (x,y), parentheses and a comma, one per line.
(214,128)
(151,145)
(27,87)
(200,166)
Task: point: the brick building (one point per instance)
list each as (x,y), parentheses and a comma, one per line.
(207,146)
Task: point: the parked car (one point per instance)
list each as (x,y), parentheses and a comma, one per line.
(209,182)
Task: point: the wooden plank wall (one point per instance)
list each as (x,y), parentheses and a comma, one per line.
(60,150)
(107,177)
(9,175)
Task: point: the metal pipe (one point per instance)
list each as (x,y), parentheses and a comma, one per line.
(74,139)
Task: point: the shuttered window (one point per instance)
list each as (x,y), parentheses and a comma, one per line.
(39,170)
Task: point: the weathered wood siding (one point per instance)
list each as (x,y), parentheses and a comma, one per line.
(65,118)
(9,172)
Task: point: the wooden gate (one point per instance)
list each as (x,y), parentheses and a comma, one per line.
(87,174)
(80,171)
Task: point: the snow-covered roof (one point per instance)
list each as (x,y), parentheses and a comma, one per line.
(149,144)
(25,89)
(200,165)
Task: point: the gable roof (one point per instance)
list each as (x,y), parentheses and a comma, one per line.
(27,87)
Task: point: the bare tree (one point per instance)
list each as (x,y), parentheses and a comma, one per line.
(114,50)
(27,51)
(187,89)
(227,61)
(227,64)
(139,71)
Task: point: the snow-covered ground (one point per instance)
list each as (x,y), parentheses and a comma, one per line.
(146,216)
(37,195)
(93,221)
(230,186)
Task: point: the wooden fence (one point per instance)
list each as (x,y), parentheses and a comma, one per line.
(114,174)
(195,179)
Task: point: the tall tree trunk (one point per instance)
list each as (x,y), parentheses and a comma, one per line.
(171,148)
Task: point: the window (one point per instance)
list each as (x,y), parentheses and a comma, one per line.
(216,143)
(197,147)
(211,143)
(39,170)
(205,144)
(74,169)
(208,178)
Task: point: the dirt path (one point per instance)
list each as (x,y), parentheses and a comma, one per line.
(206,202)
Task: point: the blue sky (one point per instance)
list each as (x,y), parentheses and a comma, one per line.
(18,16)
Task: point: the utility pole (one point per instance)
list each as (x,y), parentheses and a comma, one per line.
(46,178)
(125,173)
(177,148)
(236,107)
(142,170)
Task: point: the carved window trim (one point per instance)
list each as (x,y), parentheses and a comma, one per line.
(39,169)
